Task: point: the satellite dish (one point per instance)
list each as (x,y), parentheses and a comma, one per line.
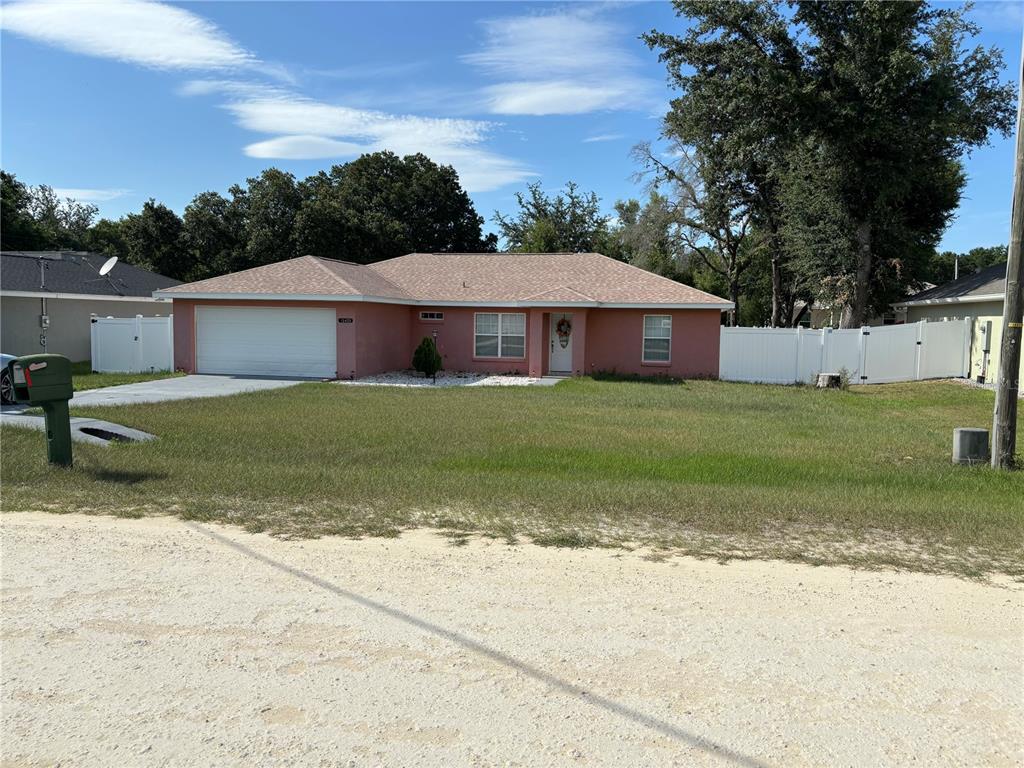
(108,265)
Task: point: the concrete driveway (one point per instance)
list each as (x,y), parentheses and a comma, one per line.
(181,388)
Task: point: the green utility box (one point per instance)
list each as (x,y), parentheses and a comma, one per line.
(45,380)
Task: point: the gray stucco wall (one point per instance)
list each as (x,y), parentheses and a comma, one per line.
(955,311)
(68,334)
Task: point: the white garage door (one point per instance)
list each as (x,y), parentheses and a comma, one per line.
(266,341)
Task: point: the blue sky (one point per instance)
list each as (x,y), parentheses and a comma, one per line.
(118,102)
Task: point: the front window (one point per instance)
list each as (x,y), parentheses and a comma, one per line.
(657,338)
(500,335)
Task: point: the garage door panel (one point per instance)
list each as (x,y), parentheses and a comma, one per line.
(266,341)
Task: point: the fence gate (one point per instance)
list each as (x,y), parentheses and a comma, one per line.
(875,355)
(132,344)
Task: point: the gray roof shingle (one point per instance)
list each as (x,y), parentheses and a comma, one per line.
(76,272)
(989,281)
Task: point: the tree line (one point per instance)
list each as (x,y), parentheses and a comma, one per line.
(373,208)
(816,149)
(814,154)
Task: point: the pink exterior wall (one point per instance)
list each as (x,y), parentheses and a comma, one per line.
(184,335)
(615,342)
(382,341)
(382,337)
(455,340)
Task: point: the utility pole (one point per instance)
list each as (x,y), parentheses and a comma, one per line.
(1004,421)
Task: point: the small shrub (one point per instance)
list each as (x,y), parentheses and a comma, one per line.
(426,359)
(844,379)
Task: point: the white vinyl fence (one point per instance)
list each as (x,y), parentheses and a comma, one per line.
(132,344)
(870,355)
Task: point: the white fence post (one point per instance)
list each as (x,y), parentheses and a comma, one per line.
(862,354)
(968,340)
(919,347)
(137,351)
(170,342)
(799,352)
(94,342)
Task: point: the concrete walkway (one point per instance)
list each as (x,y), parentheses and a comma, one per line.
(92,431)
(180,388)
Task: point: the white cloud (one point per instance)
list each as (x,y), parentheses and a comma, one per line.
(293,114)
(305,129)
(303,148)
(167,37)
(999,12)
(569,62)
(90,195)
(149,34)
(554,97)
(604,137)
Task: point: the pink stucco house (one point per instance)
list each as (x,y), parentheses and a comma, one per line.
(563,313)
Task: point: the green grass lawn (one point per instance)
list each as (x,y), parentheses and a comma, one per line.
(708,468)
(83,378)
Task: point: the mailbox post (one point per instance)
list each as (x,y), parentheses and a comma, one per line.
(45,380)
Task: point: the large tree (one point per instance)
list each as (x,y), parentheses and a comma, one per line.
(18,230)
(382,205)
(267,207)
(711,211)
(738,73)
(650,238)
(886,94)
(569,221)
(151,241)
(212,236)
(107,236)
(37,218)
(899,100)
(63,222)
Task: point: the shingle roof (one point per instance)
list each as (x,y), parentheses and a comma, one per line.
(475,278)
(76,272)
(987,282)
(304,276)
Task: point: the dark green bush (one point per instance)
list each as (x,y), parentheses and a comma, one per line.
(426,359)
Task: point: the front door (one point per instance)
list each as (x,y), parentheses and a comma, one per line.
(561,343)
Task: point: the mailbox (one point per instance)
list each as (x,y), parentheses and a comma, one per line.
(45,380)
(41,379)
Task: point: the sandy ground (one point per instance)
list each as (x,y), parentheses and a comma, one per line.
(157,642)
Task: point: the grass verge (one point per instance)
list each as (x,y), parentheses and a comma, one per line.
(83,378)
(706,468)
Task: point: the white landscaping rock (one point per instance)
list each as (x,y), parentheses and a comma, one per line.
(444,379)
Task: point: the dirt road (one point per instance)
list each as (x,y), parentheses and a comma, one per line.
(157,642)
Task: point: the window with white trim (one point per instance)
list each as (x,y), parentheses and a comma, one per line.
(499,334)
(432,317)
(657,338)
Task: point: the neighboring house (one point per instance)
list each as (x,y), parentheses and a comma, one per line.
(979,297)
(48,297)
(567,313)
(819,315)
